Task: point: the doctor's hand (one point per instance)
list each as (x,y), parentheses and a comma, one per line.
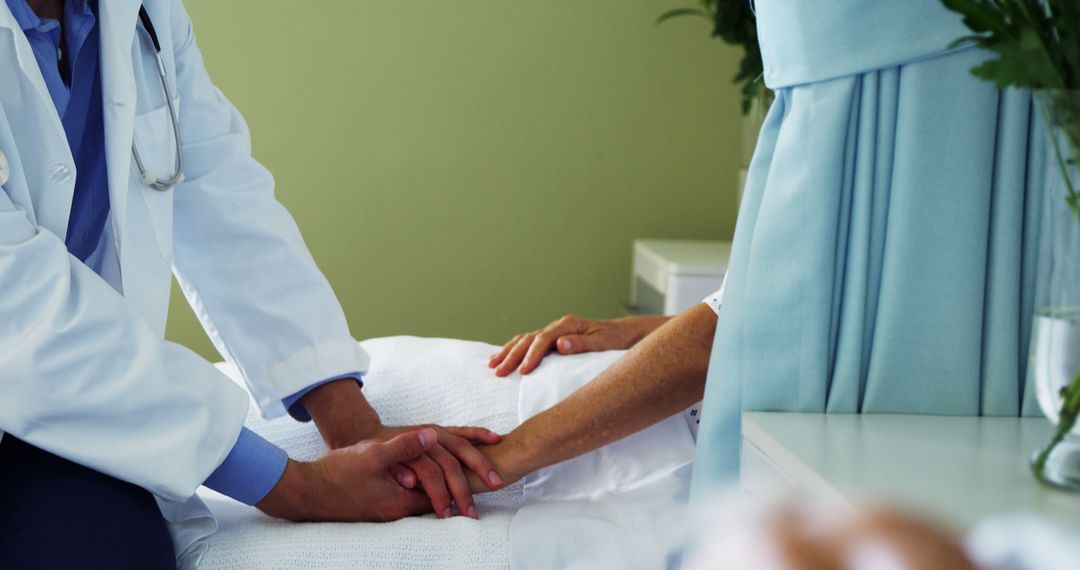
(571,335)
(440,474)
(344,417)
(352,483)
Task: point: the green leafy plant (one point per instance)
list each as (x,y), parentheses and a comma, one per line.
(1037,42)
(733,21)
(1036,45)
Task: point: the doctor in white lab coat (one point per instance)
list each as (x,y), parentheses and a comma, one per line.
(86,378)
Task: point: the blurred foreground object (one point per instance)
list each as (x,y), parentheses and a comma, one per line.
(1023,542)
(750,535)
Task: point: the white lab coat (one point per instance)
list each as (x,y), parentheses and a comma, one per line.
(84,370)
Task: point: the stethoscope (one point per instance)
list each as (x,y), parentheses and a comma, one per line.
(154,182)
(177,177)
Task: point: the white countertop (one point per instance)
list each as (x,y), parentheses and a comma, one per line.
(960,469)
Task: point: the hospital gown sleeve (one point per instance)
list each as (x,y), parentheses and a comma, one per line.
(238,254)
(715,300)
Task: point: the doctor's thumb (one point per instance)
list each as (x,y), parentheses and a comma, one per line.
(408,446)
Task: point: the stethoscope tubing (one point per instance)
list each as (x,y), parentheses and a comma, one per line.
(178,176)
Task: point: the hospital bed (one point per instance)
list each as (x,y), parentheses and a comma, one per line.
(576,514)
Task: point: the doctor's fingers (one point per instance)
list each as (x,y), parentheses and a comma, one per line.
(403,475)
(477,462)
(460,447)
(431,478)
(456,481)
(395,503)
(479,434)
(399,449)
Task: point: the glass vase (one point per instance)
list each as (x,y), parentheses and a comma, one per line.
(1054,359)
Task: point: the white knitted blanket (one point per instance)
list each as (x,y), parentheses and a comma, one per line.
(412,380)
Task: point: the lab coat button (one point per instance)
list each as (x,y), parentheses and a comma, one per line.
(60,173)
(5,170)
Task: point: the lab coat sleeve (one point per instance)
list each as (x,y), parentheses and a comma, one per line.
(238,254)
(83,376)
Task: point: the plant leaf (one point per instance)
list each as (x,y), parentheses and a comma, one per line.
(680,12)
(1018,65)
(979,16)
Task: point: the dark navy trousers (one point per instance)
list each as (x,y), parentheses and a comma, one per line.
(58,514)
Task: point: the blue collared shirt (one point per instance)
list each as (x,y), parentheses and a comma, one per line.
(68,59)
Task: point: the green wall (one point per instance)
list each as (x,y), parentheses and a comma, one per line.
(475,168)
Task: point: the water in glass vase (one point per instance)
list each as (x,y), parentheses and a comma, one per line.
(1054,369)
(1055,357)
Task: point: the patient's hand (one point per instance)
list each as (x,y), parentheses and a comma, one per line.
(512,459)
(571,335)
(439,472)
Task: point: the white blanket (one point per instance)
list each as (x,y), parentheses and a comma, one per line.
(414,380)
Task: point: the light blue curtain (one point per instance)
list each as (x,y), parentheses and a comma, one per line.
(887,245)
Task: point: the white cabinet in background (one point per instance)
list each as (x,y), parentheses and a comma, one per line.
(670,276)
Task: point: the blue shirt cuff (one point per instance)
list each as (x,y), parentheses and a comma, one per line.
(251,469)
(297,410)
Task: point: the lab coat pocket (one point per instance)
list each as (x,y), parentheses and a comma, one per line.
(156,142)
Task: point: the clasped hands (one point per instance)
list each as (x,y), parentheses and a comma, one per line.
(379,473)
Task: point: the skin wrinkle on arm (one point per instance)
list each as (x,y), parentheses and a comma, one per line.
(661,376)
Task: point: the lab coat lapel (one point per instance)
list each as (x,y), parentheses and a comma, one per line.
(116,21)
(23,52)
(45,158)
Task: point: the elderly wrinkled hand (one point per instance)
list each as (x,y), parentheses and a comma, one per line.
(571,335)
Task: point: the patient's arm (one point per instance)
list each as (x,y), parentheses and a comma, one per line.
(571,335)
(662,375)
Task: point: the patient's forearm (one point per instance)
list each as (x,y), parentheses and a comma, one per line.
(660,376)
